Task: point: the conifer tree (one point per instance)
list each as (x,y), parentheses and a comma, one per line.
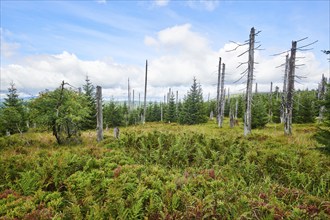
(323,134)
(13,114)
(170,114)
(113,115)
(193,108)
(259,112)
(89,92)
(305,107)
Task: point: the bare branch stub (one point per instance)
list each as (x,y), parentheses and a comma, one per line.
(276,54)
(302,39)
(283,64)
(244,74)
(307,45)
(241,64)
(238,45)
(243,53)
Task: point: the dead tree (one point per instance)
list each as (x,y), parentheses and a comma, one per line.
(222,97)
(289,103)
(128,96)
(321,96)
(133,100)
(177,101)
(116,132)
(145,94)
(249,73)
(161,112)
(236,108)
(285,89)
(270,112)
(99,114)
(218,91)
(139,100)
(247,116)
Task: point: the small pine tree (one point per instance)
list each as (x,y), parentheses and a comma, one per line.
(259,112)
(13,115)
(323,134)
(170,114)
(193,108)
(89,92)
(113,115)
(305,107)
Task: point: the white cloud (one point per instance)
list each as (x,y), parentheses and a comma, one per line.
(208,5)
(8,49)
(161,3)
(101,1)
(42,72)
(183,54)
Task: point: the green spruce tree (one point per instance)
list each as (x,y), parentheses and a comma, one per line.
(305,107)
(193,109)
(13,115)
(259,112)
(89,92)
(323,134)
(113,115)
(170,114)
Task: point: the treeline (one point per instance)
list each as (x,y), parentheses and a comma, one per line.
(66,111)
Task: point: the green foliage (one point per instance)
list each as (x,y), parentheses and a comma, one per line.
(153,113)
(89,92)
(259,113)
(168,171)
(323,134)
(13,114)
(170,113)
(193,111)
(304,107)
(113,115)
(62,111)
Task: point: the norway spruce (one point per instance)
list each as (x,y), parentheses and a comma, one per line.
(192,109)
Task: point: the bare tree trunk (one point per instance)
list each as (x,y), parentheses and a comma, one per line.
(321,96)
(271,103)
(177,101)
(247,116)
(231,118)
(284,109)
(161,112)
(128,96)
(211,115)
(99,115)
(236,108)
(222,97)
(218,91)
(145,94)
(139,100)
(228,100)
(289,103)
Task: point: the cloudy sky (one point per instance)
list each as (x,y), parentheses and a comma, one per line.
(45,42)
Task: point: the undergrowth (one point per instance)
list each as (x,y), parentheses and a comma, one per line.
(166,171)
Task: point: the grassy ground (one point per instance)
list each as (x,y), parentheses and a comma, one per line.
(167,171)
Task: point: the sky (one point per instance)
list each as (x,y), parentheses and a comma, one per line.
(45,42)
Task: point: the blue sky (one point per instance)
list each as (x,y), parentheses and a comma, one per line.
(44,42)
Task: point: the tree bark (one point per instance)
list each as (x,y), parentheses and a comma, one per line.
(145,94)
(289,103)
(99,115)
(247,115)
